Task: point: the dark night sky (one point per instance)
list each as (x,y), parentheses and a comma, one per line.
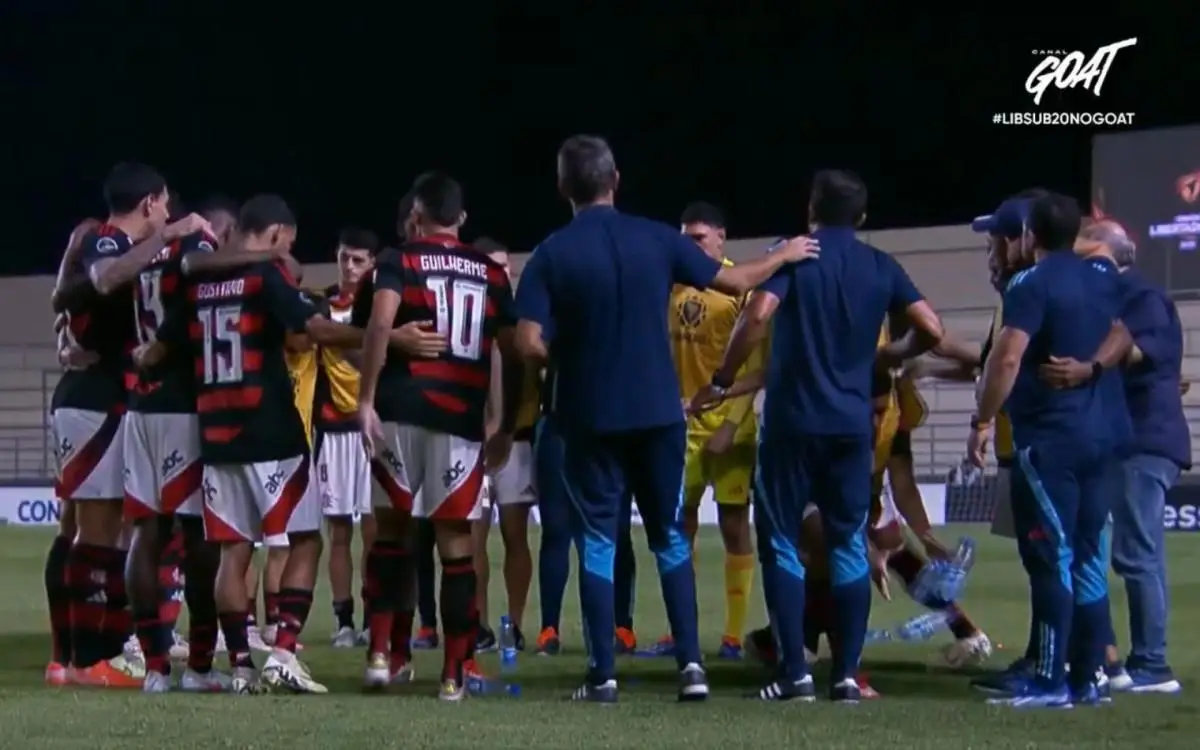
(338,111)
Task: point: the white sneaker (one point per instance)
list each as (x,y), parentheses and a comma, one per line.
(245,682)
(180,650)
(404,675)
(254,638)
(135,667)
(284,670)
(132,649)
(156,682)
(379,672)
(968,651)
(345,637)
(205,682)
(364,637)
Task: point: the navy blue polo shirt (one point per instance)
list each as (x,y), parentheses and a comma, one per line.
(605,280)
(1059,305)
(1152,385)
(825,336)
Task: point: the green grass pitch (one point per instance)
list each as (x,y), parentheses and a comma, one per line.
(924,706)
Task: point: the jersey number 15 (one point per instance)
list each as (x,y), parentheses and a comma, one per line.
(461,310)
(222,344)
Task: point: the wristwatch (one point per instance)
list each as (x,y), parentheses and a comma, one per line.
(977,423)
(721,384)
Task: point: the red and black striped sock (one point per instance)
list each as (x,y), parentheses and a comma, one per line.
(88,607)
(170,580)
(294,606)
(380,593)
(118,626)
(237,642)
(58,599)
(270,607)
(459,614)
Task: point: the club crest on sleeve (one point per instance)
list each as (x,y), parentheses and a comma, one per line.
(205,246)
(107,245)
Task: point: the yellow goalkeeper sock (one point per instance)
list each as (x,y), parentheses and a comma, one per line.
(739,578)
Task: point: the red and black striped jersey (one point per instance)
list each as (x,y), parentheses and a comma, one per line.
(244,392)
(102,324)
(469,298)
(170,386)
(336,408)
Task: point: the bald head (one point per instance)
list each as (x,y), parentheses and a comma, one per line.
(1107,237)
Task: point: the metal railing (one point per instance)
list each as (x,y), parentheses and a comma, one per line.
(26,445)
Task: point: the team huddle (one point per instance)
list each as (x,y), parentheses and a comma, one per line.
(210,405)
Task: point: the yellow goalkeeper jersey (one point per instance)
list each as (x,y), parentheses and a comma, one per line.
(701,323)
(1003,438)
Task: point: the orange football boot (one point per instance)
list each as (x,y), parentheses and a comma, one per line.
(104,674)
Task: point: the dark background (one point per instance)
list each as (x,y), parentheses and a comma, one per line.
(338,106)
(1135,182)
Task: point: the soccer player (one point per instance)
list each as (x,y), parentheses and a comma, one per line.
(86,413)
(605,280)
(253,440)
(513,490)
(429,443)
(163,473)
(720,447)
(343,471)
(816,441)
(1062,492)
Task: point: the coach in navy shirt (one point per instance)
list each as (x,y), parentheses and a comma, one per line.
(605,280)
(1063,487)
(816,441)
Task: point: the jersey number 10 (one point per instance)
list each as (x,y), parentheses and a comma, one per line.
(461,310)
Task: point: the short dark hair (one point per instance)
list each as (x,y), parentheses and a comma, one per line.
(440,197)
(587,169)
(1054,221)
(838,199)
(700,212)
(488,246)
(217,203)
(263,211)
(359,239)
(129,183)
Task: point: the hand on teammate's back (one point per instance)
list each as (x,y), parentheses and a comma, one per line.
(879,571)
(148,355)
(189,224)
(419,338)
(1065,372)
(797,249)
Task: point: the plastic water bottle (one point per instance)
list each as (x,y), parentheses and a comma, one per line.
(954,574)
(922,627)
(878,635)
(508,645)
(964,554)
(481,687)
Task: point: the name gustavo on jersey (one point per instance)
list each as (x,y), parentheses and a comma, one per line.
(453,264)
(221,289)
